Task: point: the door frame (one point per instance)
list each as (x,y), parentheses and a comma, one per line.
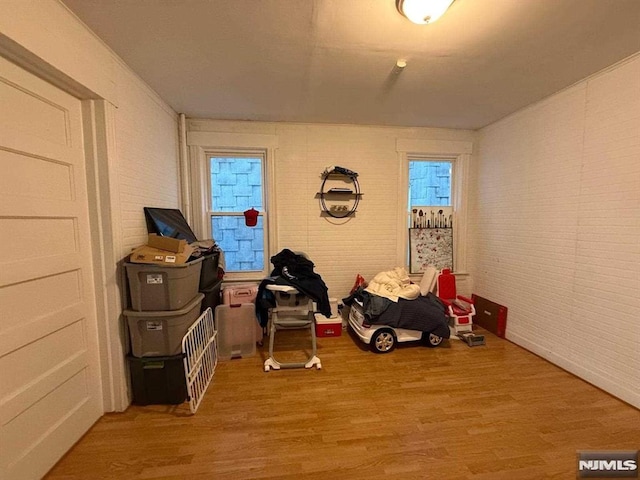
(98,123)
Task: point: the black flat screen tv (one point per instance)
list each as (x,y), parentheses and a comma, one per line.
(168,222)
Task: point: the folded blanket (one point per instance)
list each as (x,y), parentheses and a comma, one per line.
(394,284)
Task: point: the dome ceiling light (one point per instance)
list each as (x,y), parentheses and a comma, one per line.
(423,11)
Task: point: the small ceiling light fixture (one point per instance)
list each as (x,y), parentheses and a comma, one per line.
(399,67)
(423,11)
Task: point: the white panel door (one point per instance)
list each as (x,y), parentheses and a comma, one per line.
(49,378)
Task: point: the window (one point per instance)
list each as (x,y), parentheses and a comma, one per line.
(430,214)
(429,183)
(237,184)
(444,186)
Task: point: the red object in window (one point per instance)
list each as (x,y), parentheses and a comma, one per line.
(251,217)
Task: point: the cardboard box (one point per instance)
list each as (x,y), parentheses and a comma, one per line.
(162,251)
(166,243)
(147,254)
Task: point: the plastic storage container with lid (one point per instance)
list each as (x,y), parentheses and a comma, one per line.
(209,271)
(160,333)
(158,380)
(212,297)
(160,287)
(236,326)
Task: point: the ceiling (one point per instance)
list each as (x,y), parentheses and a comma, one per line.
(332,61)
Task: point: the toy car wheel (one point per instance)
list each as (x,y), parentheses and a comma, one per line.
(432,340)
(383,341)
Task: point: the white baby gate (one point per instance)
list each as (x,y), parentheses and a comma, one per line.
(200,357)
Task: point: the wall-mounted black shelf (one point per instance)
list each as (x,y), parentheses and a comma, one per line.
(330,193)
(339,194)
(327,214)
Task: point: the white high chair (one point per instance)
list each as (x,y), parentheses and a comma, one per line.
(293,310)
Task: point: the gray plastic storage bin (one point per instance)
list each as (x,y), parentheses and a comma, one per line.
(155,334)
(236,328)
(160,287)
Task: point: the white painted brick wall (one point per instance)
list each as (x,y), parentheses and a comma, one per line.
(555,227)
(368,242)
(147,152)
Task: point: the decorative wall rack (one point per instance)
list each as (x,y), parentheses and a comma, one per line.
(339,192)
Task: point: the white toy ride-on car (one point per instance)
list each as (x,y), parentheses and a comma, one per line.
(384,338)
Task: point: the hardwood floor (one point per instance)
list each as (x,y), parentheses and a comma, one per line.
(453,412)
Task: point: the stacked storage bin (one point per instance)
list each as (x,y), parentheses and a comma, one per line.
(165,302)
(236,322)
(210,281)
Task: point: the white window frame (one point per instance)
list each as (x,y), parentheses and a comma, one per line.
(203,145)
(240,153)
(459,153)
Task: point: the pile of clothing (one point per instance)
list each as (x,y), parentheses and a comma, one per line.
(392,299)
(295,270)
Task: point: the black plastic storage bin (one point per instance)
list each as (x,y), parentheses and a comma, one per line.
(158,380)
(211,296)
(209,271)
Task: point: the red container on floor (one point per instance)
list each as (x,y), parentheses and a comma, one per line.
(328,327)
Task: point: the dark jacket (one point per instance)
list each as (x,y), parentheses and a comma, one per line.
(295,270)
